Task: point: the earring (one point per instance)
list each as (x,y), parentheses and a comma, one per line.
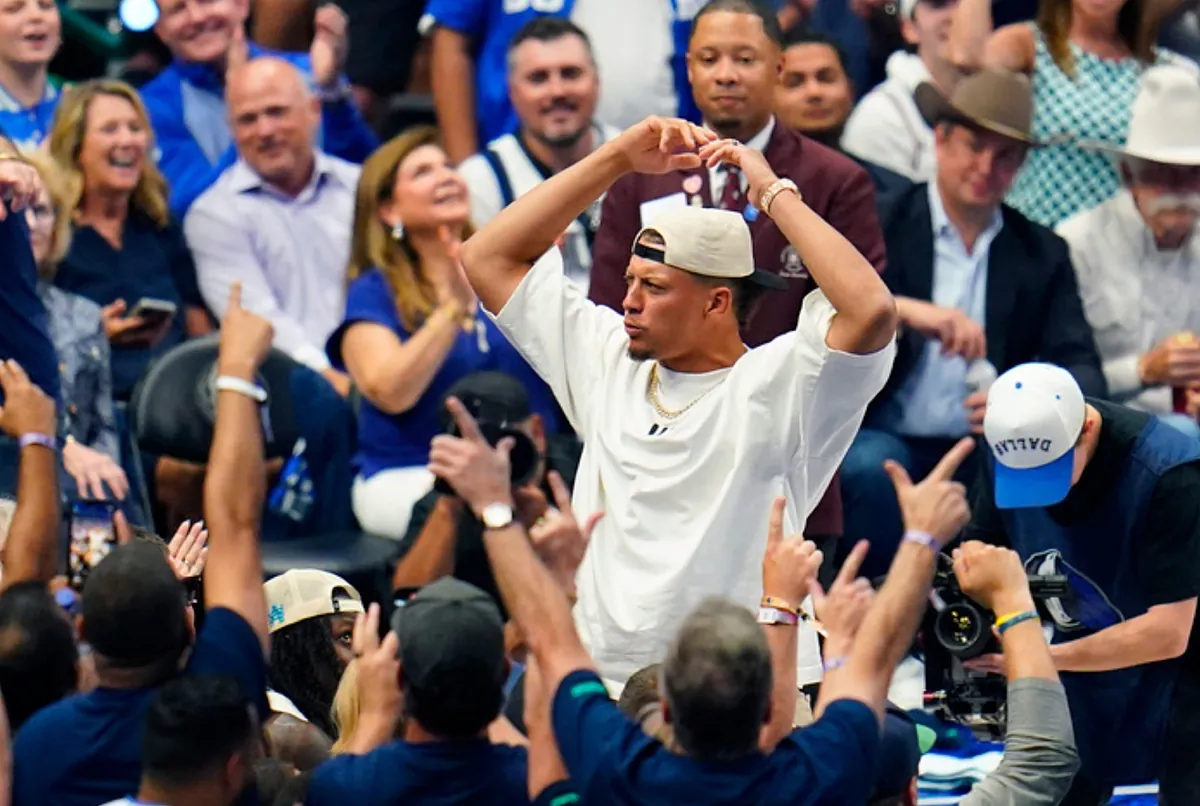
(397,231)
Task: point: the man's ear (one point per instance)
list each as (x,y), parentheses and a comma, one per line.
(720,301)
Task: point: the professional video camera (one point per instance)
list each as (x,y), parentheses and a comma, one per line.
(956,629)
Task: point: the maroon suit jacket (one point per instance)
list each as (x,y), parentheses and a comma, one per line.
(833,185)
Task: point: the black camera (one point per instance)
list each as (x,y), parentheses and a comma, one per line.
(495,421)
(957,629)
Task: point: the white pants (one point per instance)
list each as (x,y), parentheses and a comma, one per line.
(383,503)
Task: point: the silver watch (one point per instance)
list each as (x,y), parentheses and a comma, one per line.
(496,516)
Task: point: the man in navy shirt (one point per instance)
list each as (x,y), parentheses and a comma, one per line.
(87,749)
(717,677)
(452,675)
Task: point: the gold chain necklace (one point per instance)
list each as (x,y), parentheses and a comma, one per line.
(652,389)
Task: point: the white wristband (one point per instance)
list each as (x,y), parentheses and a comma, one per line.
(228,383)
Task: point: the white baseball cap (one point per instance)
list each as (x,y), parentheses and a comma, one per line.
(1034,416)
(303,593)
(707,242)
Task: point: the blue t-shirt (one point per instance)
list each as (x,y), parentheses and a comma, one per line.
(28,126)
(24,329)
(429,773)
(612,761)
(388,441)
(87,749)
(152,262)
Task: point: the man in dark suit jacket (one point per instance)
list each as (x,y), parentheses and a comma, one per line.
(979,289)
(734,59)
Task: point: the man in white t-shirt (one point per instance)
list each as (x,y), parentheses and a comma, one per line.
(688,434)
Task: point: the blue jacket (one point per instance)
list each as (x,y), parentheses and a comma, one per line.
(183,162)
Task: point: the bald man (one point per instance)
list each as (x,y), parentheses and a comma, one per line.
(279,219)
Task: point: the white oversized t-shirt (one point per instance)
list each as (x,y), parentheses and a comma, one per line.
(687,500)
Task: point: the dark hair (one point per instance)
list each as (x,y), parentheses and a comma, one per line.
(758,8)
(194,726)
(294,790)
(745,294)
(548,29)
(450,712)
(298,744)
(306,669)
(890,800)
(803,35)
(38,657)
(717,682)
(134,609)
(641,690)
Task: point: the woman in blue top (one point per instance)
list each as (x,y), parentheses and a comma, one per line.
(413,326)
(125,246)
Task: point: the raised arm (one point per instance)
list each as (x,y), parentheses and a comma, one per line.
(933,512)
(1040,759)
(497,257)
(534,598)
(974,45)
(235,486)
(28,416)
(866,312)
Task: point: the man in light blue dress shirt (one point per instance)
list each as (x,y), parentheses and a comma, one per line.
(186,101)
(279,220)
(979,289)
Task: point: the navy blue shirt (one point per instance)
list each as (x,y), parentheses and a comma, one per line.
(24,332)
(152,262)
(429,773)
(612,761)
(387,441)
(87,749)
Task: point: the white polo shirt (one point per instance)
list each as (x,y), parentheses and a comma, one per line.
(686,500)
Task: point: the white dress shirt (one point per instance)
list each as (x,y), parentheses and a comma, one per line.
(1134,294)
(290,254)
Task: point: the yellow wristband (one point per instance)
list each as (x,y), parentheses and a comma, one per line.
(1000,622)
(779,604)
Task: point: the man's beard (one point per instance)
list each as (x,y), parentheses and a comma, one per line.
(568,140)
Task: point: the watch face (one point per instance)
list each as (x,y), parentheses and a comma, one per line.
(497,516)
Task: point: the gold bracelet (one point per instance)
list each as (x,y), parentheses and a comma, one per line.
(5,155)
(775,188)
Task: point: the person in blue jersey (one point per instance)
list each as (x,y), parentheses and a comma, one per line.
(186,101)
(135,616)
(30,34)
(470,52)
(413,326)
(1109,498)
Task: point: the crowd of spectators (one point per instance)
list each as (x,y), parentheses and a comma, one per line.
(1025,180)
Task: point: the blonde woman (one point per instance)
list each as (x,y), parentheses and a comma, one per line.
(1086,59)
(125,248)
(413,326)
(91,454)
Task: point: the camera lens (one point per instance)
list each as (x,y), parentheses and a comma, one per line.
(961,629)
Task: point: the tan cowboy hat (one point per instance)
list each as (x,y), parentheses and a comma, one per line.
(1164,126)
(1000,101)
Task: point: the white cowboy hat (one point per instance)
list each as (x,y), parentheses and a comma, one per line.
(1165,124)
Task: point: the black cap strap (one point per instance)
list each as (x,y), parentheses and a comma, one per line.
(650,253)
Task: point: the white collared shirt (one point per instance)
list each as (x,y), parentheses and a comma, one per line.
(290,254)
(930,401)
(717,174)
(1134,294)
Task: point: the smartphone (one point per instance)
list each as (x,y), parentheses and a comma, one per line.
(90,538)
(154,311)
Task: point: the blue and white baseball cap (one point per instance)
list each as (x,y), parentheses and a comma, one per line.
(1034,416)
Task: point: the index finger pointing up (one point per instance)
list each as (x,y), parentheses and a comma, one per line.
(775,524)
(946,468)
(468,429)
